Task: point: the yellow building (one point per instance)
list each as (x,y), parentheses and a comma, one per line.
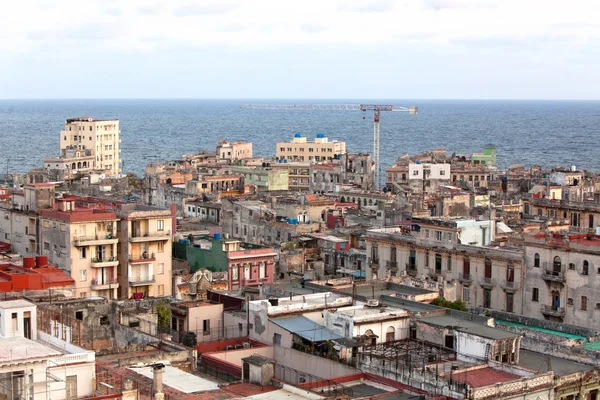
(98,139)
(83,242)
(299,149)
(145,251)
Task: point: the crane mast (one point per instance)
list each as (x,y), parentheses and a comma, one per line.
(376,108)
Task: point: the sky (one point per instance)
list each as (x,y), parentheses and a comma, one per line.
(402,49)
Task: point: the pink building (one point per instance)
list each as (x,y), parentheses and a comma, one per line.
(250,267)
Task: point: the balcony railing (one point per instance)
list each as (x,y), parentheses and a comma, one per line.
(99,284)
(411,269)
(553,311)
(392,265)
(483,281)
(144,257)
(374,263)
(466,278)
(96,239)
(553,276)
(150,236)
(141,280)
(508,285)
(104,262)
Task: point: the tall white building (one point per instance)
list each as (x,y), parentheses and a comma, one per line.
(88,144)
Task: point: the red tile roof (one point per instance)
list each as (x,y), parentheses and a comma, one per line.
(484,377)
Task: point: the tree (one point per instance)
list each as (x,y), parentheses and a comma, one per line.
(454,305)
(164,314)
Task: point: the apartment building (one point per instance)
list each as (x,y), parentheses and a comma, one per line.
(480,276)
(263,179)
(98,139)
(144,253)
(561,278)
(19,223)
(299,149)
(299,177)
(583,215)
(234,150)
(83,242)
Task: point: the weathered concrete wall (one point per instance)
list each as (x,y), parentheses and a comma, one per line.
(310,364)
(235,356)
(126,336)
(577,354)
(177,357)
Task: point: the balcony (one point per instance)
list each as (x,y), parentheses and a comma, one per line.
(551,311)
(96,240)
(487,282)
(465,278)
(143,258)
(104,262)
(392,265)
(434,273)
(101,284)
(374,264)
(553,276)
(509,286)
(150,236)
(411,269)
(141,280)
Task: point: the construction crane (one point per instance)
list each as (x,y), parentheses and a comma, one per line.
(376,108)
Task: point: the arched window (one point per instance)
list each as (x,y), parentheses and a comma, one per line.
(586,268)
(557,265)
(79,165)
(343,199)
(536,260)
(84,164)
(73,166)
(390,334)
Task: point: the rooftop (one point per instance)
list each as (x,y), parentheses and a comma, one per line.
(488,332)
(484,377)
(257,359)
(545,362)
(306,328)
(19,348)
(15,304)
(180,380)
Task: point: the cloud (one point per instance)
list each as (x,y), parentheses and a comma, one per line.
(114,12)
(439,5)
(313,28)
(150,9)
(375,6)
(194,10)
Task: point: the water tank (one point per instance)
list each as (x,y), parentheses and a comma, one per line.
(41,261)
(217,236)
(28,262)
(418,162)
(284,161)
(320,135)
(296,134)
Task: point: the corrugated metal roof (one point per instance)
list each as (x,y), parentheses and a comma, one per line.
(309,330)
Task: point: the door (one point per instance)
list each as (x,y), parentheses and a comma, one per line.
(71,387)
(555,300)
(509,302)
(449,342)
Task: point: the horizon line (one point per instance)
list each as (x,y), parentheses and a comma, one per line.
(297,98)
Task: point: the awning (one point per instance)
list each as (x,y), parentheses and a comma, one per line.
(307,329)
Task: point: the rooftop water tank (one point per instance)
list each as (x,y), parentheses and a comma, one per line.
(28,262)
(217,236)
(320,135)
(296,134)
(41,261)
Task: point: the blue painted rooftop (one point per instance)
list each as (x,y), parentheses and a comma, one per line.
(304,327)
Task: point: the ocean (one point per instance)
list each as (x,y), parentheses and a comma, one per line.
(546,133)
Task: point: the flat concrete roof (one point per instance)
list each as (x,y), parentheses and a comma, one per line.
(488,332)
(447,320)
(20,348)
(539,362)
(180,380)
(284,394)
(308,329)
(15,304)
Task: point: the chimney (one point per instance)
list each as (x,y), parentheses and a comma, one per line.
(173,218)
(157,388)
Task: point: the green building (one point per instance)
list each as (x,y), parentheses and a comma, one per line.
(487,158)
(265,179)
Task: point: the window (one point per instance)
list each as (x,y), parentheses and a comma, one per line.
(161,290)
(46,246)
(277,338)
(466,294)
(572,267)
(83,252)
(536,260)
(488,268)
(535,295)
(586,268)
(79,315)
(83,295)
(597,306)
(438,262)
(161,247)
(487,298)
(509,302)
(438,235)
(160,268)
(426,258)
(262,271)
(416,172)
(160,225)
(583,303)
(206,326)
(442,172)
(569,301)
(83,275)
